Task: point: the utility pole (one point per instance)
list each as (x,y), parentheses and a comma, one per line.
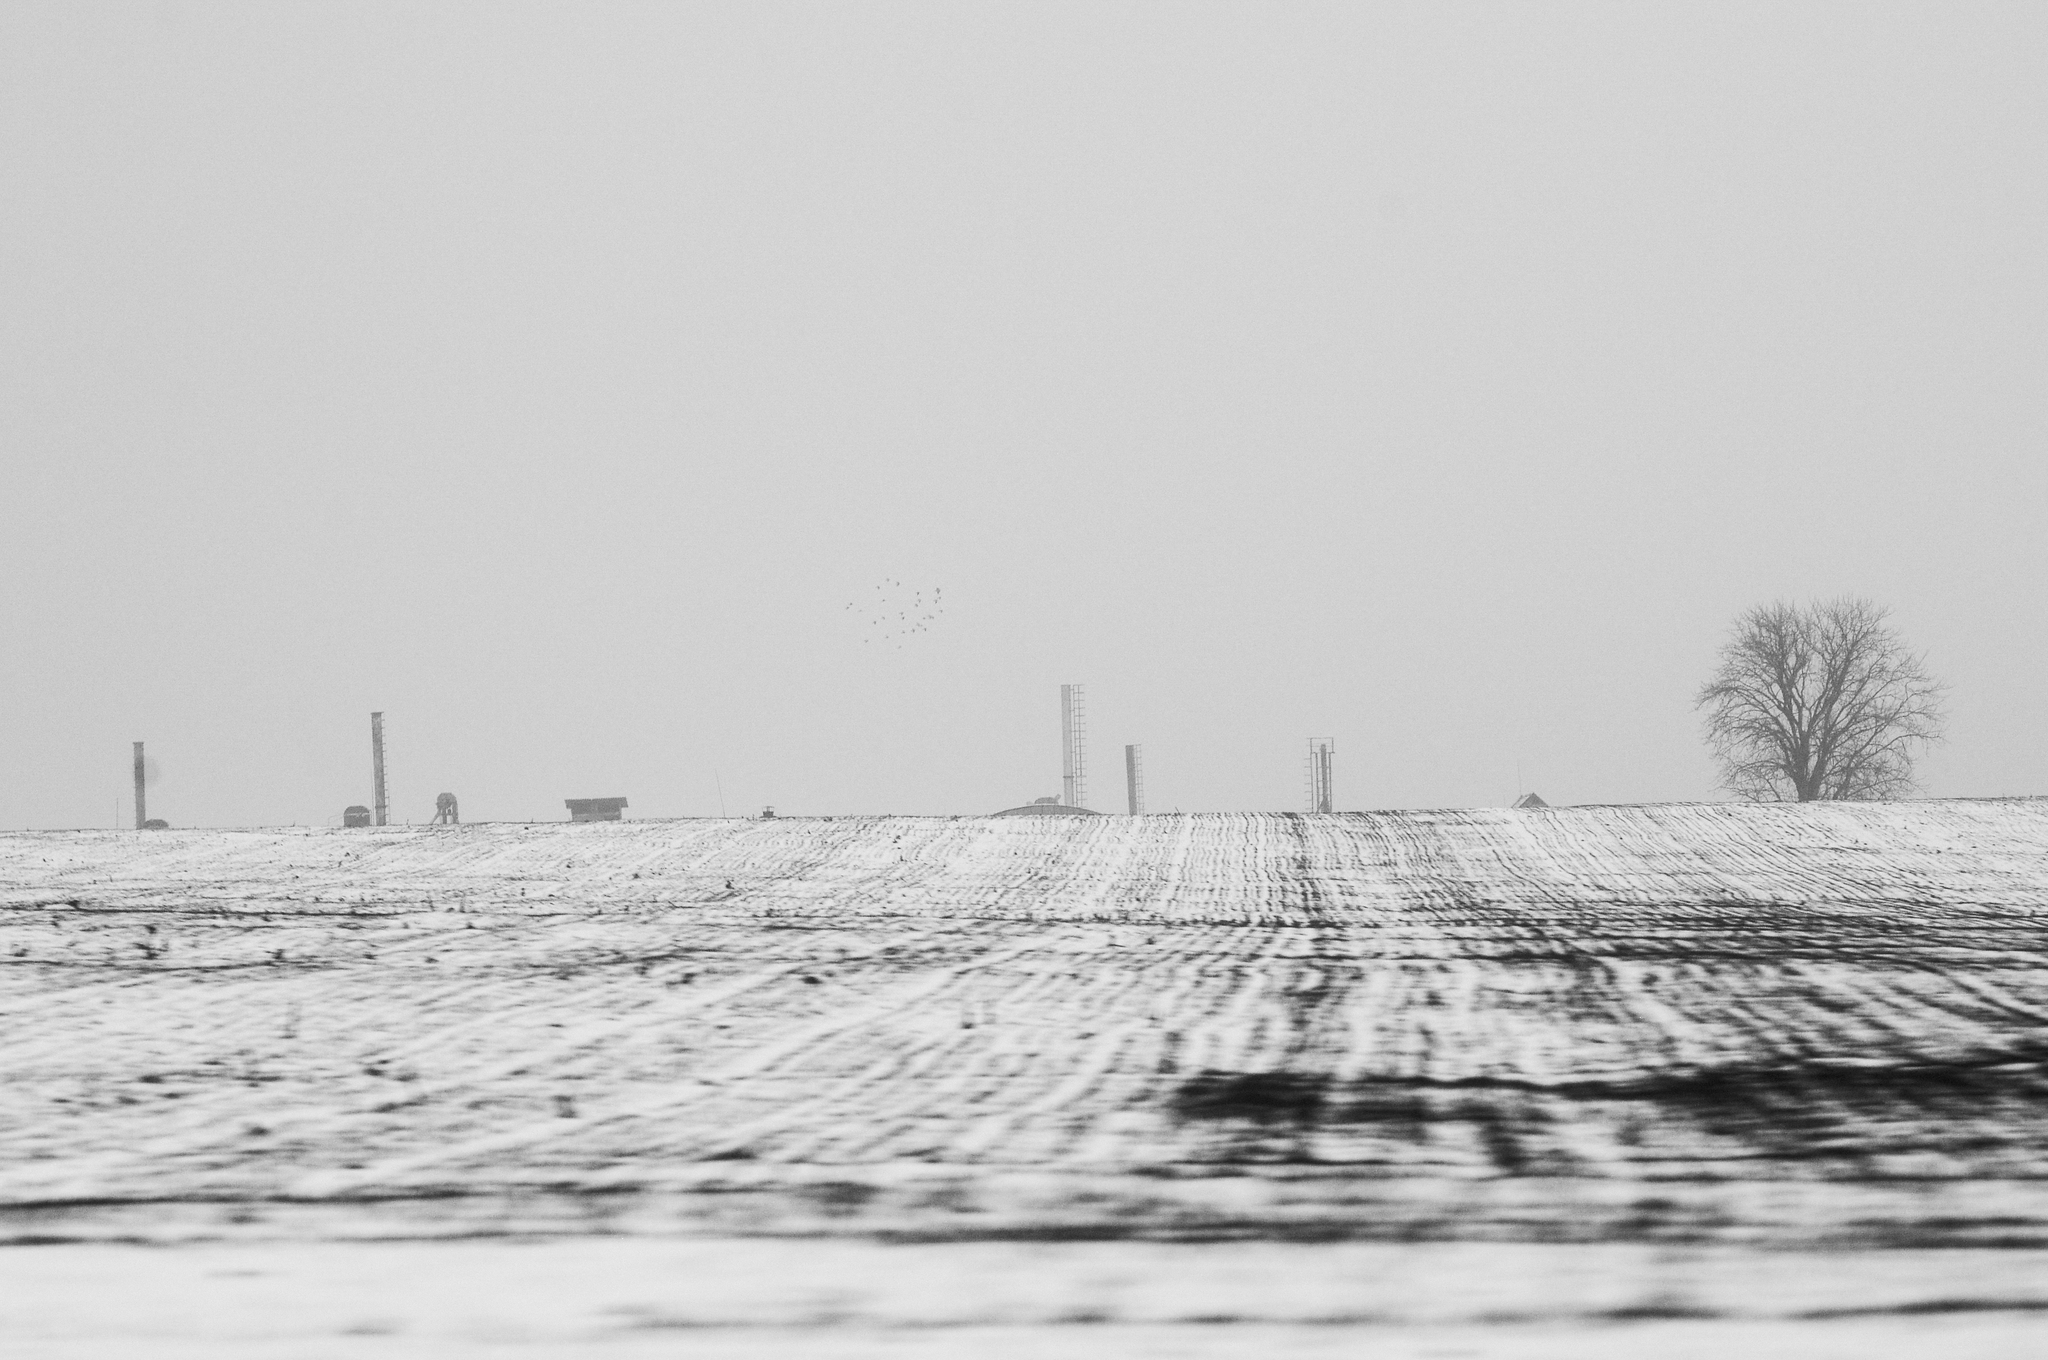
(377,763)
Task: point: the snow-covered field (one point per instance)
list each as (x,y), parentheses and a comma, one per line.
(1661,1076)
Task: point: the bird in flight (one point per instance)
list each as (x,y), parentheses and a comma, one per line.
(895,613)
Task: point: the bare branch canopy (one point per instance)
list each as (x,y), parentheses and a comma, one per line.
(1821,701)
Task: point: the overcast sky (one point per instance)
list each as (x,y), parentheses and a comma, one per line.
(1438,379)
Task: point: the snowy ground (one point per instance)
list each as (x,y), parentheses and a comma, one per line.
(1489,1082)
(624,1298)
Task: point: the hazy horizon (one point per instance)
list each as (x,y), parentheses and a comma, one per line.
(1443,380)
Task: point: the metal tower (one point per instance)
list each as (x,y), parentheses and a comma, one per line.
(1321,798)
(377,764)
(1134,777)
(445,811)
(1073,748)
(141,798)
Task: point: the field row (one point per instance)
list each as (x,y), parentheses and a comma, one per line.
(1337,1012)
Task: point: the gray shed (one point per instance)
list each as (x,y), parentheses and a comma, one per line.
(595,809)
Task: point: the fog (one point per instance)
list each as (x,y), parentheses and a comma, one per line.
(1439,379)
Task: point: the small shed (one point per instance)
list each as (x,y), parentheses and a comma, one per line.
(1531,800)
(595,809)
(356,815)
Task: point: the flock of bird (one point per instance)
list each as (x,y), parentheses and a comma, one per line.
(891,617)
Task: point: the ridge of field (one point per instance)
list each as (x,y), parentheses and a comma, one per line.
(1817,1024)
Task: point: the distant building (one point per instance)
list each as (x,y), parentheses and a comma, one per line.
(595,809)
(1531,800)
(355,815)
(1046,807)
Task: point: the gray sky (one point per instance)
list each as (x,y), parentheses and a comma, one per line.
(1438,379)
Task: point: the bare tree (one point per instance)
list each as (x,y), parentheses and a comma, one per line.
(1820,701)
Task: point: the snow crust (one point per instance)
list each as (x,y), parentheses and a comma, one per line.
(1762,1032)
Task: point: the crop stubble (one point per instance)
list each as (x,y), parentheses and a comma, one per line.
(1695,1023)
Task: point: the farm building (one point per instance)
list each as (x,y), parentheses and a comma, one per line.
(1046,807)
(595,809)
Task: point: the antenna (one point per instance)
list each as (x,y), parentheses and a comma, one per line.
(377,764)
(141,798)
(1134,777)
(1321,797)
(1074,748)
